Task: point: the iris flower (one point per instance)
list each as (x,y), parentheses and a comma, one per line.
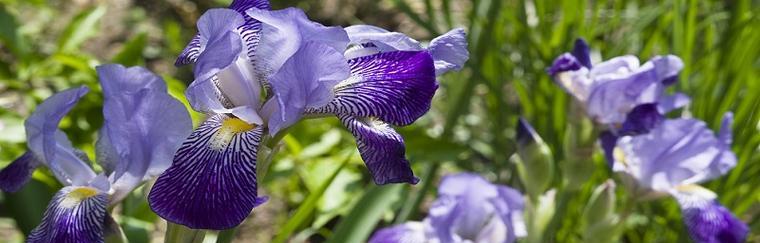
(143,127)
(257,72)
(491,213)
(620,93)
(672,159)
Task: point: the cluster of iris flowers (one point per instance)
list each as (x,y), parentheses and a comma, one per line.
(259,71)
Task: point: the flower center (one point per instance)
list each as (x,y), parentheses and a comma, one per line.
(230,127)
(76,196)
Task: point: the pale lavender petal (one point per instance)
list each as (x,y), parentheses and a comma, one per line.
(212,182)
(384,40)
(709,222)
(677,152)
(396,87)
(449,51)
(143,126)
(672,102)
(382,150)
(283,34)
(17,173)
(50,145)
(410,232)
(725,134)
(306,80)
(75,214)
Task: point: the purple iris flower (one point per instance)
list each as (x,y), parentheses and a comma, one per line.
(253,88)
(672,159)
(492,213)
(620,93)
(143,127)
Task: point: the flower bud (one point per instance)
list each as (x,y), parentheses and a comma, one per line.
(534,160)
(578,145)
(599,220)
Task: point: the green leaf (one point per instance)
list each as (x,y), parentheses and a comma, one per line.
(131,52)
(82,27)
(359,223)
(307,207)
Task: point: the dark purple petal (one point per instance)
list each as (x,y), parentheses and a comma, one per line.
(191,52)
(608,141)
(670,80)
(581,52)
(396,87)
(641,119)
(563,63)
(75,214)
(17,174)
(410,232)
(212,181)
(382,150)
(709,222)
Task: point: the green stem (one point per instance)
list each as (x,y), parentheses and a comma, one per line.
(226,236)
(176,233)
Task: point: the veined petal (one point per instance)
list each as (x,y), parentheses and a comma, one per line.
(143,126)
(75,214)
(283,34)
(250,30)
(50,145)
(212,182)
(410,232)
(677,152)
(190,53)
(382,150)
(306,81)
(706,220)
(396,87)
(449,51)
(17,174)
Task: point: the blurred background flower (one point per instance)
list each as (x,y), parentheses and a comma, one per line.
(48,46)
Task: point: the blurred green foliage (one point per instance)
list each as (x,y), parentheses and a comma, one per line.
(319,188)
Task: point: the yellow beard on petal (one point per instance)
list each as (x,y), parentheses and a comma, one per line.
(76,196)
(230,128)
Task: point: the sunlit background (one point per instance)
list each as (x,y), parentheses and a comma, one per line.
(47,46)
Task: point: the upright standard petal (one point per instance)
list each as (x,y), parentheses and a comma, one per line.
(250,32)
(143,126)
(581,52)
(396,87)
(212,182)
(50,145)
(382,150)
(382,39)
(410,232)
(449,51)
(305,81)
(706,220)
(283,34)
(677,152)
(17,174)
(75,214)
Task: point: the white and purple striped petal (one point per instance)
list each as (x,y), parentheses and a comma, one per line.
(50,145)
(250,32)
(449,51)
(75,214)
(143,126)
(382,150)
(396,87)
(706,220)
(409,232)
(284,32)
(17,173)
(305,81)
(677,152)
(212,182)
